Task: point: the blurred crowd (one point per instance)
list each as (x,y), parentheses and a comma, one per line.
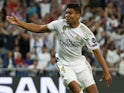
(25,53)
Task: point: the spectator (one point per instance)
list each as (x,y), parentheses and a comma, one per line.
(112,57)
(1,66)
(16,51)
(116,37)
(21,70)
(2,40)
(122,41)
(28,60)
(24,39)
(10,39)
(36,42)
(51,68)
(45,7)
(43,58)
(122,11)
(9,63)
(33,69)
(121,65)
(19,60)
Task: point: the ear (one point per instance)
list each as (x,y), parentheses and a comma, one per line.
(78,15)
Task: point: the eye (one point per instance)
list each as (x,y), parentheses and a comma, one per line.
(67,12)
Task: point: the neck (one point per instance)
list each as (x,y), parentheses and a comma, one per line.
(74,25)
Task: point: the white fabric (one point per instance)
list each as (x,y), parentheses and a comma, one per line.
(81,92)
(43,59)
(38,45)
(121,67)
(112,56)
(76,73)
(45,8)
(111,22)
(122,43)
(33,67)
(10,63)
(71,41)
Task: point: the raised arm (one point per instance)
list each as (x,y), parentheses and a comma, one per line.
(103,64)
(29,26)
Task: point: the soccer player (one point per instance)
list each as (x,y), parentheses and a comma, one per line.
(74,69)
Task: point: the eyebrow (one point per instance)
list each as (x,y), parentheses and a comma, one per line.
(67,12)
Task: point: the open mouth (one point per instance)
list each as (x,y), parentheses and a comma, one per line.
(67,19)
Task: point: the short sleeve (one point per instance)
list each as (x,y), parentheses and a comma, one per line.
(90,39)
(52,26)
(92,43)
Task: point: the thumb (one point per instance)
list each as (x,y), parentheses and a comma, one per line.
(14,16)
(101,79)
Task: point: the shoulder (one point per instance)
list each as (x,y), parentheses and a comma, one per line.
(83,26)
(59,21)
(85,29)
(56,24)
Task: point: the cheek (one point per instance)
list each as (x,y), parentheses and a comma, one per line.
(75,19)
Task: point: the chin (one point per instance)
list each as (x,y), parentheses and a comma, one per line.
(67,22)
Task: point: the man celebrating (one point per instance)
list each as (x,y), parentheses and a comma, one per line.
(74,69)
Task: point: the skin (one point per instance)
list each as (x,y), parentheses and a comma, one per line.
(72,18)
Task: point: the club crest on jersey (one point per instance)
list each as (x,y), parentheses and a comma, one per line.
(78,37)
(63,69)
(65,27)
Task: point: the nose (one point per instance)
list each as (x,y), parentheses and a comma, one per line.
(67,15)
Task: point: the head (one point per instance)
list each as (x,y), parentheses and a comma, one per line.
(72,13)
(44,49)
(10,54)
(28,55)
(17,48)
(35,62)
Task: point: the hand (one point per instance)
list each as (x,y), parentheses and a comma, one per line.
(41,71)
(107,78)
(12,19)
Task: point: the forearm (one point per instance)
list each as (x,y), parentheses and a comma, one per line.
(101,60)
(31,27)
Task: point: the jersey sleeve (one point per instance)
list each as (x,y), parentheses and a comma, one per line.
(92,43)
(52,26)
(90,40)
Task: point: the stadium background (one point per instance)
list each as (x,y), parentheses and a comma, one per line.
(20,48)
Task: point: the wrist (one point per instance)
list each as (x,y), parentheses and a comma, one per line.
(19,23)
(107,72)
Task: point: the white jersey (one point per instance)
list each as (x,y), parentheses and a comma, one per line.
(71,41)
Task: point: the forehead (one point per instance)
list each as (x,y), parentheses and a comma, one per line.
(70,10)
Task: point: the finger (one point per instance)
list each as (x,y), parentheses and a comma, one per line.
(14,16)
(101,79)
(109,82)
(7,17)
